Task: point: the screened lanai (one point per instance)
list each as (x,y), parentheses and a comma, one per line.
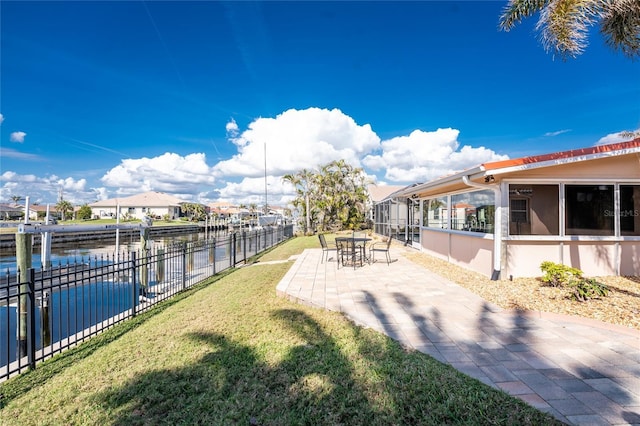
(502,219)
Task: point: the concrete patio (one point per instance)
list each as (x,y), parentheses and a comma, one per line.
(582,371)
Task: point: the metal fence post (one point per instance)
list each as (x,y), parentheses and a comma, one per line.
(184,265)
(214,255)
(31,321)
(266,243)
(134,296)
(244,246)
(45,322)
(232,241)
(160,265)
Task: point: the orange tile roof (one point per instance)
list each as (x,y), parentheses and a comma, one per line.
(598,149)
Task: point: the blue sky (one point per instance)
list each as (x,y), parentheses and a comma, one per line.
(108,99)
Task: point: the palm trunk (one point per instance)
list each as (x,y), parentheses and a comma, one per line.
(308,216)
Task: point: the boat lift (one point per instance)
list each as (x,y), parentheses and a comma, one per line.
(46,230)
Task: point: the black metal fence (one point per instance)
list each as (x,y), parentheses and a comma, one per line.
(45,312)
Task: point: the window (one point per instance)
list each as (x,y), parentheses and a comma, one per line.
(534,209)
(434,213)
(473,211)
(519,210)
(630,210)
(588,210)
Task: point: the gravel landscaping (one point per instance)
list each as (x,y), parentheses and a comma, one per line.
(620,307)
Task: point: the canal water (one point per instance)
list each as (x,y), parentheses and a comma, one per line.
(70,252)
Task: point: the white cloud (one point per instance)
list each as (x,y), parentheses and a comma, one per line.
(252,190)
(616,137)
(71,184)
(294,140)
(169,173)
(10,176)
(102,193)
(12,153)
(45,189)
(298,139)
(1,118)
(423,156)
(556,133)
(232,129)
(17,137)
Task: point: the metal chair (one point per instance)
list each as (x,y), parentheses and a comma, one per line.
(349,252)
(360,235)
(325,247)
(341,248)
(382,247)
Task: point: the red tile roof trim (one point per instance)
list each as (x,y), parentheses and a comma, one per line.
(598,149)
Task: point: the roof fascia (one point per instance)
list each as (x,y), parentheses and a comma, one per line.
(486,169)
(475,172)
(562,161)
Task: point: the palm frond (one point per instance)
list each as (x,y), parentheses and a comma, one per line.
(516,10)
(621,27)
(564,25)
(629,134)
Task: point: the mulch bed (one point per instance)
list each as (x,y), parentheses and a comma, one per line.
(620,307)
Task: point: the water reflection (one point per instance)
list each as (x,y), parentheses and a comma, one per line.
(71,252)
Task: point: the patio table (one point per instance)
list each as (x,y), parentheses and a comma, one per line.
(352,247)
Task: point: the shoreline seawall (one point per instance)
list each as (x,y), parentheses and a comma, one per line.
(8,240)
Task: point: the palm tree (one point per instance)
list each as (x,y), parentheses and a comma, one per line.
(16,198)
(303,182)
(63,207)
(564,24)
(334,197)
(194,211)
(344,194)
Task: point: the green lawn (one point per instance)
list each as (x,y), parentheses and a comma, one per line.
(231,352)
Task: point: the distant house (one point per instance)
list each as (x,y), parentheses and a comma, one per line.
(153,204)
(41,211)
(11,212)
(222,209)
(580,208)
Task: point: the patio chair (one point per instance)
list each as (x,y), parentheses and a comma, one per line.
(380,247)
(359,234)
(325,247)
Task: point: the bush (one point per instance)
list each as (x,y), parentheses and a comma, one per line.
(580,288)
(587,288)
(559,275)
(84,212)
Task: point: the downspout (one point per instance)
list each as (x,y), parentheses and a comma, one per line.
(497,227)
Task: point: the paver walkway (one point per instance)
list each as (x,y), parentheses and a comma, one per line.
(582,371)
